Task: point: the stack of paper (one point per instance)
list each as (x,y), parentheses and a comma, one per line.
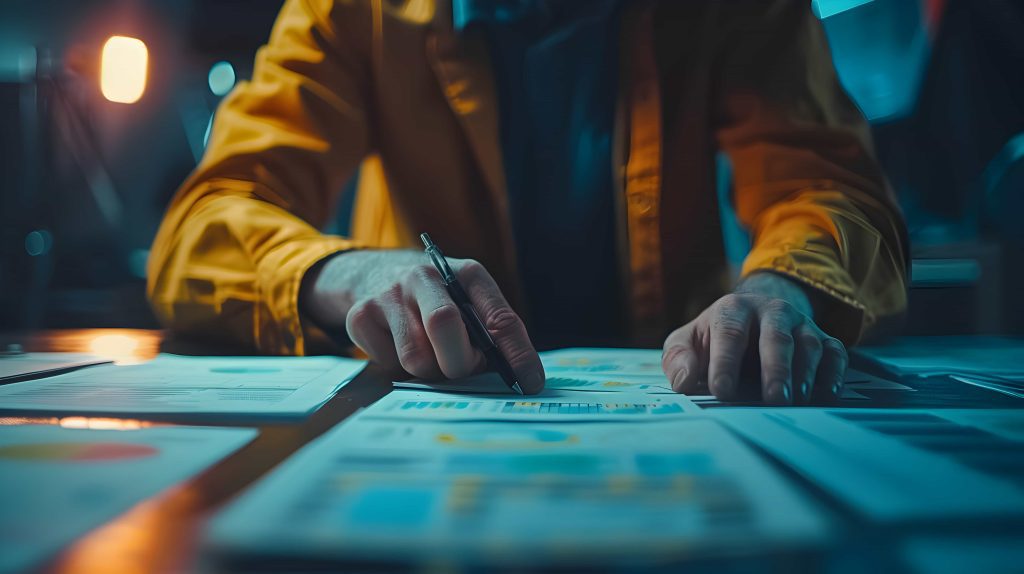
(899,465)
(56,484)
(221,388)
(29,365)
(996,363)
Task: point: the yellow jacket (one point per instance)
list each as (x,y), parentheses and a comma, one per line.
(390,86)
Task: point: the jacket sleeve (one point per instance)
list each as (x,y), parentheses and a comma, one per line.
(806,183)
(240,233)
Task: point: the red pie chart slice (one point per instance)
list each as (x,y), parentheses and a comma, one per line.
(77,451)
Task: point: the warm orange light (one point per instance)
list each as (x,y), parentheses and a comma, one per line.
(122,349)
(102,423)
(123,69)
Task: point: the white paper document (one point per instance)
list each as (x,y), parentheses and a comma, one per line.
(520,494)
(899,465)
(56,484)
(235,388)
(550,405)
(13,367)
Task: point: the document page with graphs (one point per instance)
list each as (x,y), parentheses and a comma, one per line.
(59,483)
(519,494)
(550,405)
(207,388)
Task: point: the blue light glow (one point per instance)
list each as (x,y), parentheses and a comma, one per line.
(222,78)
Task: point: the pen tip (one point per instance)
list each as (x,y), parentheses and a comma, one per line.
(517,388)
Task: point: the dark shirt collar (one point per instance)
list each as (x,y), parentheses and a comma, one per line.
(468,12)
(537,14)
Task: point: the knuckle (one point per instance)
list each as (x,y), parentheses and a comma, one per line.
(681,337)
(730,328)
(834,344)
(778,337)
(670,354)
(414,358)
(502,320)
(360,316)
(443,318)
(730,302)
(424,273)
(811,343)
(470,269)
(836,347)
(392,295)
(777,307)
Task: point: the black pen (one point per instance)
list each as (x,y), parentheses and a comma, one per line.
(478,334)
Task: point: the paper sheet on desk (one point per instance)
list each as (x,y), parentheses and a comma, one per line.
(491,383)
(597,361)
(519,494)
(899,465)
(15,367)
(939,356)
(582,369)
(56,484)
(210,388)
(550,405)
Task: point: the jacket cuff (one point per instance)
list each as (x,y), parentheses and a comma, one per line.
(278,325)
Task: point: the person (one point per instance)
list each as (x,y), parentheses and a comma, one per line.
(562,152)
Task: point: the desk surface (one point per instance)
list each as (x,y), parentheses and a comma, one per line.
(161,534)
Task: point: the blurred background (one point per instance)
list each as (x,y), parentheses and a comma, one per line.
(106,104)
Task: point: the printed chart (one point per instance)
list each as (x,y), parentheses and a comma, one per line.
(59,483)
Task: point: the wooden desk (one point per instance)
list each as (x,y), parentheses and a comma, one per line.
(162,534)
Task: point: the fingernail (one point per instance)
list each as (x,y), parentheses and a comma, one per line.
(804,388)
(677,380)
(836,389)
(786,393)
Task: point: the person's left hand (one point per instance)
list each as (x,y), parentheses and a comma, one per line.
(767,320)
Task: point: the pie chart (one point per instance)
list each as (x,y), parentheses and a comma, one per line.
(76,451)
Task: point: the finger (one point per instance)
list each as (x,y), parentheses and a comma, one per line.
(730,325)
(806,358)
(831,370)
(415,353)
(445,328)
(505,327)
(683,361)
(369,330)
(776,348)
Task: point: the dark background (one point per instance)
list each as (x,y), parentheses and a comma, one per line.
(84,182)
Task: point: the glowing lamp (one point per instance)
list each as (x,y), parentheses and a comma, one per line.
(123,69)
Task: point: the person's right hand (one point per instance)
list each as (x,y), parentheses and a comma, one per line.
(394,306)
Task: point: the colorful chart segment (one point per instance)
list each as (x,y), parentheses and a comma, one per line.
(524,407)
(509,438)
(76,451)
(435,405)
